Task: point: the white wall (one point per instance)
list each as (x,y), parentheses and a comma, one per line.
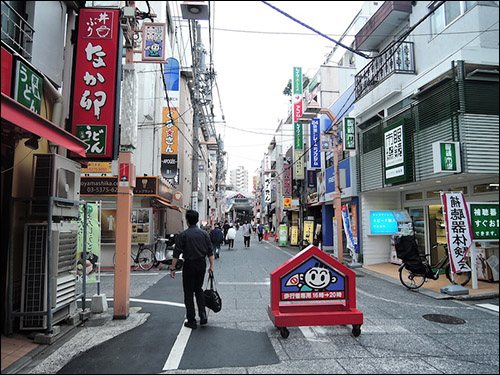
(376,249)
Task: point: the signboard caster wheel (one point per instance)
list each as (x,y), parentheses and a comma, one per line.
(356,330)
(284,332)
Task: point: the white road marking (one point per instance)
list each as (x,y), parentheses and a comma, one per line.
(175,356)
(176,304)
(488,306)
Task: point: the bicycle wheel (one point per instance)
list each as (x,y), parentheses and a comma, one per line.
(460,278)
(409,279)
(145,258)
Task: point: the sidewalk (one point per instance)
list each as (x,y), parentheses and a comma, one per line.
(19,349)
(485,289)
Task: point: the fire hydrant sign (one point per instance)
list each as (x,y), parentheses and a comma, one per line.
(312,280)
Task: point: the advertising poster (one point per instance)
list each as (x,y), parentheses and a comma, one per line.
(88,266)
(108,226)
(142,225)
(283,235)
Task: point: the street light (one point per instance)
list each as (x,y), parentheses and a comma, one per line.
(337,196)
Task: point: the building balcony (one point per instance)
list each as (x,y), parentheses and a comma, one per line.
(390,15)
(397,59)
(17,33)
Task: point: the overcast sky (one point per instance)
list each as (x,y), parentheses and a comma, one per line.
(254,57)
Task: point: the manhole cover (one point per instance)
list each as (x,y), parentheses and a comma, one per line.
(445,319)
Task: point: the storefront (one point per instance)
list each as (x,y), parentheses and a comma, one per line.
(153,213)
(425,212)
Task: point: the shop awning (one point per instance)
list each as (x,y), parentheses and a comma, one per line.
(17,115)
(162,203)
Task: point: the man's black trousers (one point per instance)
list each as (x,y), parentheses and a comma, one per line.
(193,275)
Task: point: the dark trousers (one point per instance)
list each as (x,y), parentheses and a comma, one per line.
(231,243)
(247,240)
(193,274)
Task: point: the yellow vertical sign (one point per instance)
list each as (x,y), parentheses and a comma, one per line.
(308,231)
(294,238)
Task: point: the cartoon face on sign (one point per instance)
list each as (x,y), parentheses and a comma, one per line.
(312,280)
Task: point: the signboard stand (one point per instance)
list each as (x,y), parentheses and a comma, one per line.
(316,278)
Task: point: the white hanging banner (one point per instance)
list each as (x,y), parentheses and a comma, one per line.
(458,230)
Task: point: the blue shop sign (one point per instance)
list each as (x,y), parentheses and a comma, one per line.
(383,222)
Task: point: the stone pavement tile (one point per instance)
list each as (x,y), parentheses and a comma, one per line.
(473,343)
(374,325)
(302,349)
(465,364)
(312,366)
(411,345)
(389,365)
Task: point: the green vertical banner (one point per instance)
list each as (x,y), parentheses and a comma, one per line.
(89,265)
(283,235)
(297,126)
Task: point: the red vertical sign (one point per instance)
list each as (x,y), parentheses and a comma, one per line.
(95,87)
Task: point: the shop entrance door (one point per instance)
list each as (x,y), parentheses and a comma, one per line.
(417,215)
(437,231)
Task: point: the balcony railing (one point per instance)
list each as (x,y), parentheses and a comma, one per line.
(395,60)
(16,32)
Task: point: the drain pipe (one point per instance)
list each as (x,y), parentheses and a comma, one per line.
(51,92)
(60,109)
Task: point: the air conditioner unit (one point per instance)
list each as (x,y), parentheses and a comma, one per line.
(34,292)
(55,176)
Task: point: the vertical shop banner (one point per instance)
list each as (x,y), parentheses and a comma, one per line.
(28,87)
(315,144)
(96,95)
(287,179)
(395,153)
(351,244)
(267,187)
(297,114)
(153,46)
(446,157)
(308,231)
(294,236)
(88,266)
(171,76)
(299,164)
(458,230)
(169,142)
(349,134)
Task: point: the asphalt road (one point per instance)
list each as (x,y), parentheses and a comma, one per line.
(396,335)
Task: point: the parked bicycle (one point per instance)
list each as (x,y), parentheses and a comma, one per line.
(414,277)
(144,258)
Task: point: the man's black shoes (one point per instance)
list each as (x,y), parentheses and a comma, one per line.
(189,324)
(203,318)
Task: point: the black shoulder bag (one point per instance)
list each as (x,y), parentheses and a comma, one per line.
(212,298)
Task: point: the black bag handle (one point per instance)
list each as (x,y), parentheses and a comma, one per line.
(211,277)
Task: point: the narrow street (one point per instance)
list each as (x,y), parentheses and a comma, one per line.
(395,337)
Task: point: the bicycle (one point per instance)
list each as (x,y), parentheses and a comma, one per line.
(144,258)
(414,280)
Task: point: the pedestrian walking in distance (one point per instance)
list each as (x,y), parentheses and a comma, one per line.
(260,231)
(225,228)
(231,235)
(247,232)
(195,245)
(217,237)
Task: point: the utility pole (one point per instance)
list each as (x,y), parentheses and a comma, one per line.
(126,185)
(196,113)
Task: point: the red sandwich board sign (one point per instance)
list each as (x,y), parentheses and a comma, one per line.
(324,288)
